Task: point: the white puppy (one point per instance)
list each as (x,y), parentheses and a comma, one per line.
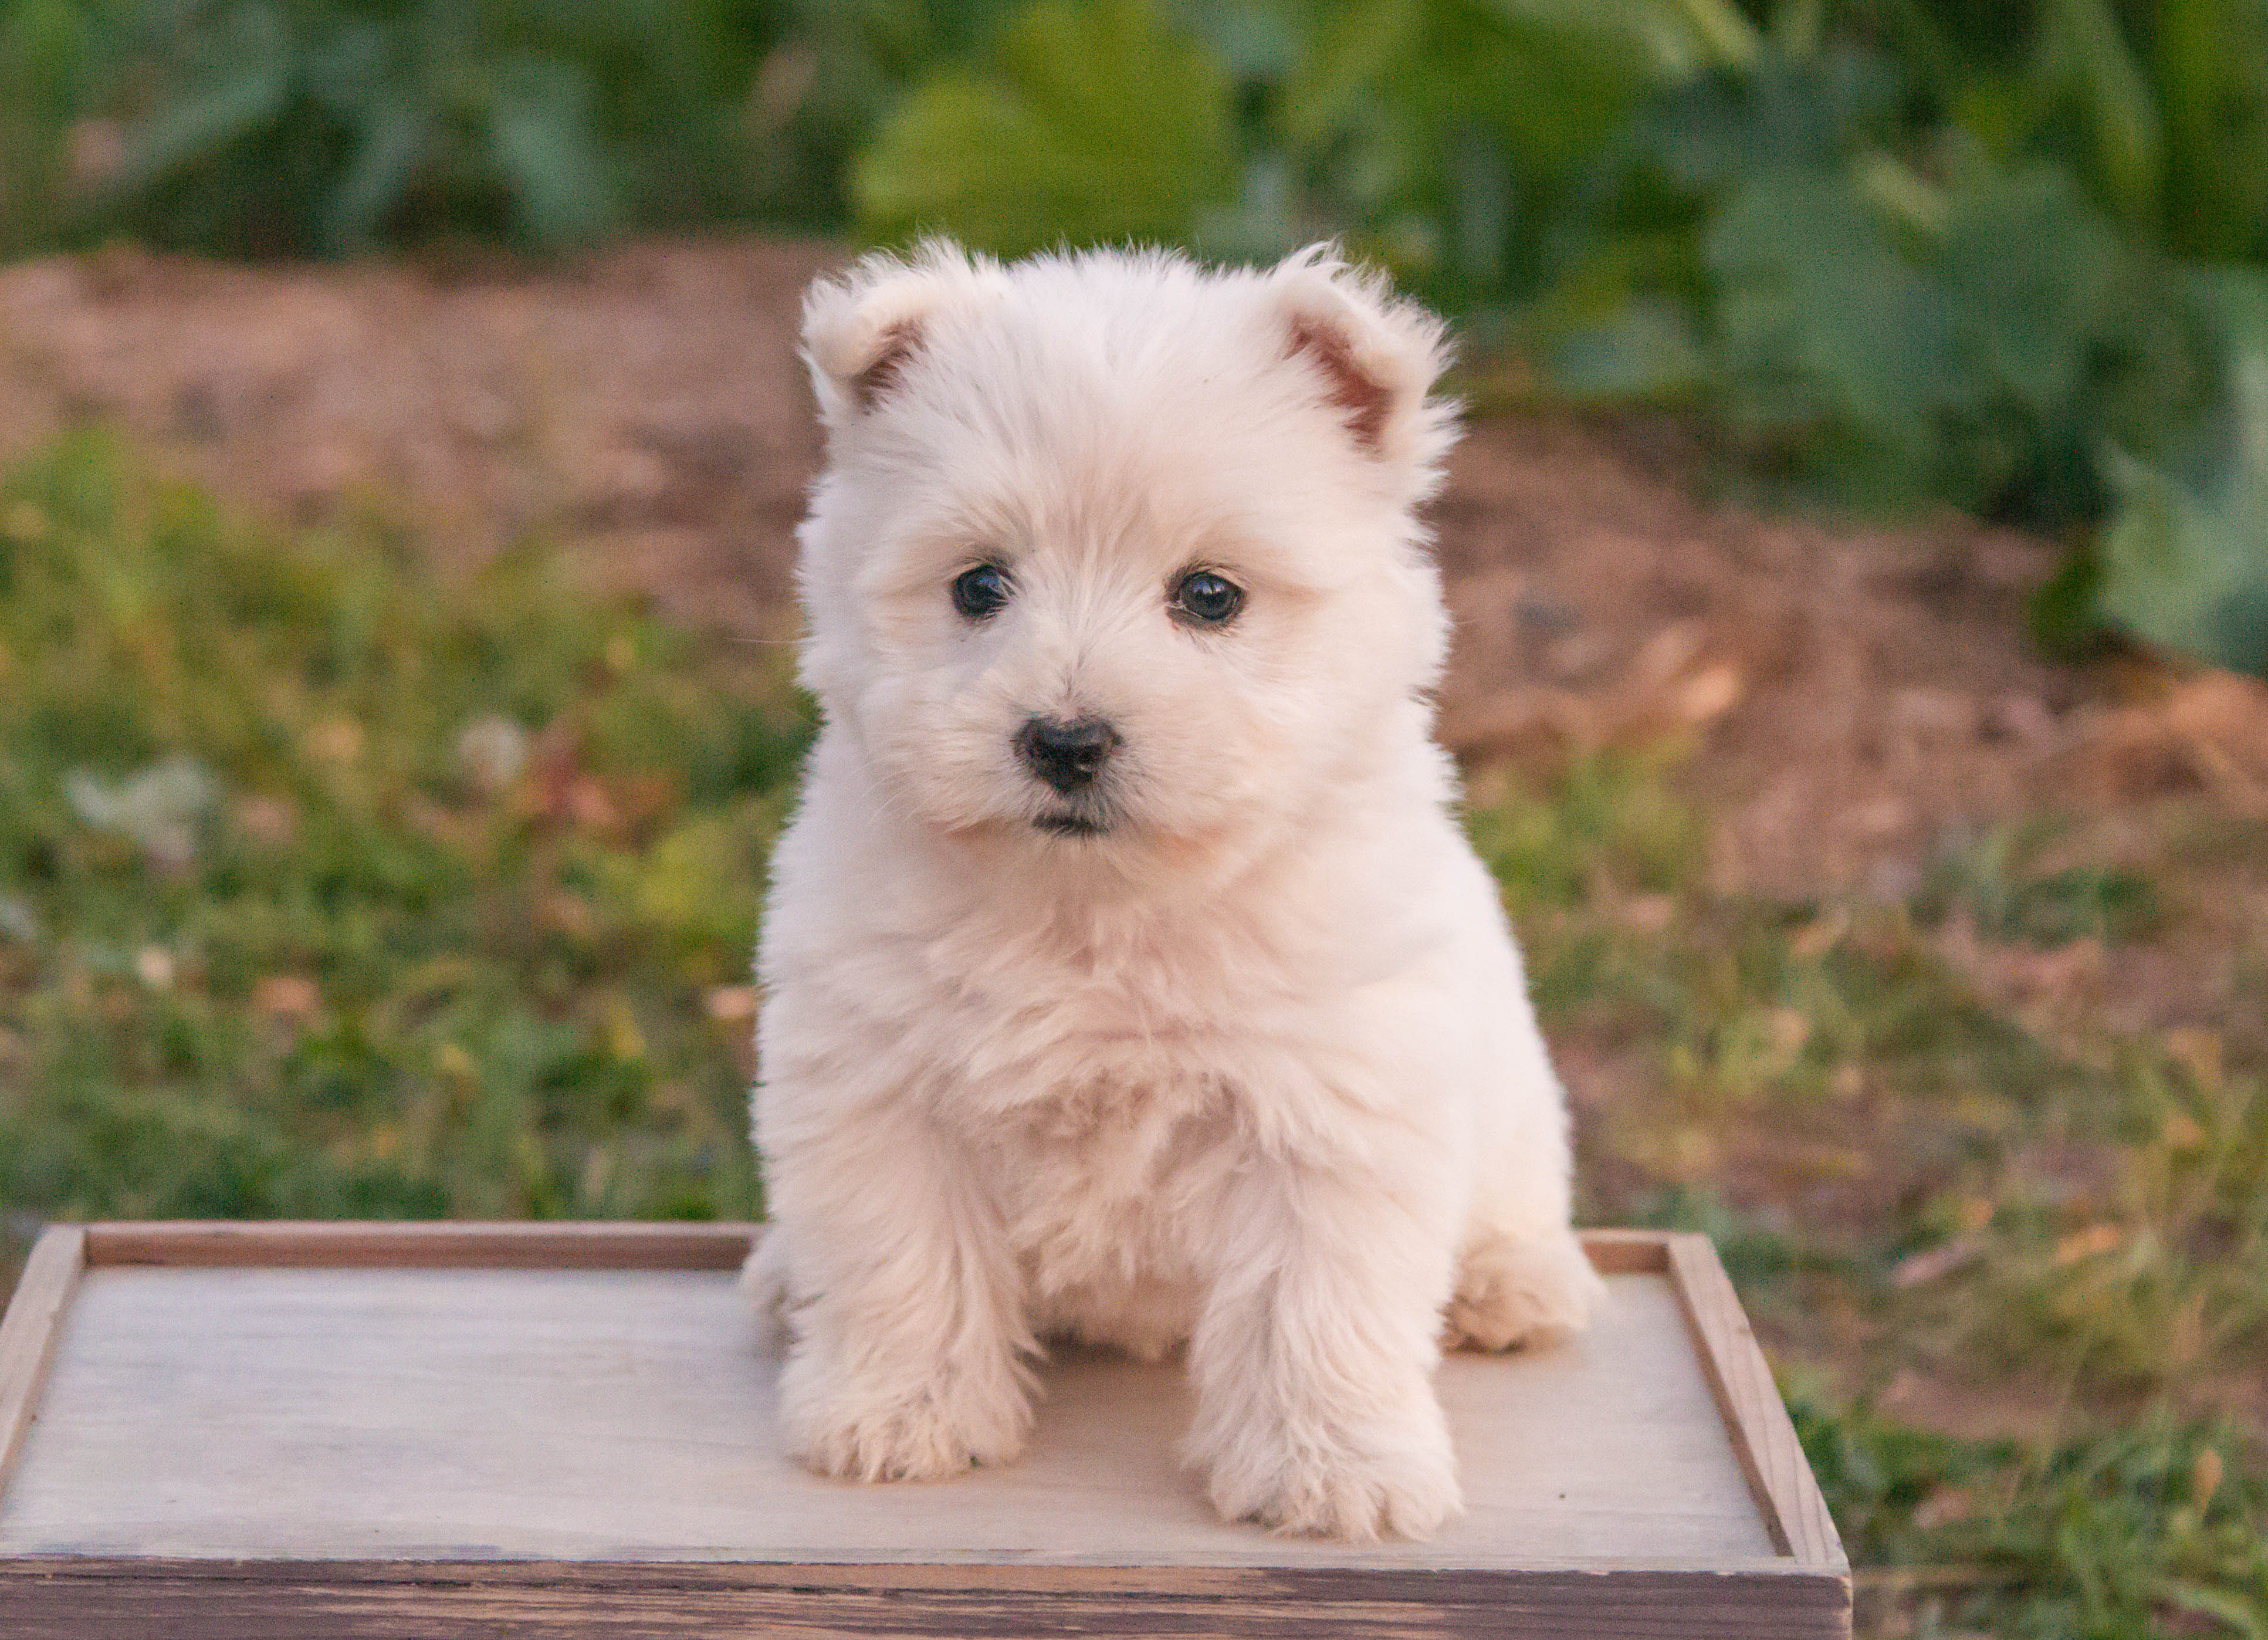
(1127,977)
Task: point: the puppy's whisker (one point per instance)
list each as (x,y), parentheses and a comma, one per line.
(890,793)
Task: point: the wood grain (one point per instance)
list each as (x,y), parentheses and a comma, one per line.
(619,1415)
(1781,1477)
(189,1601)
(434,1245)
(28,1333)
(1701,1522)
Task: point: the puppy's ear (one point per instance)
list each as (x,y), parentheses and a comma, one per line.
(864,329)
(1373,357)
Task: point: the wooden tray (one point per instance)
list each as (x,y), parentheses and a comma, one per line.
(239,1431)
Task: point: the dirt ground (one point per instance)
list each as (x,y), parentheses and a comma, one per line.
(1855,691)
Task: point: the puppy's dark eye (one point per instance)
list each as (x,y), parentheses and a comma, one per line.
(981,592)
(1201,598)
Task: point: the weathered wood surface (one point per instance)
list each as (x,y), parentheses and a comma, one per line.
(274,1414)
(1779,1476)
(477,1429)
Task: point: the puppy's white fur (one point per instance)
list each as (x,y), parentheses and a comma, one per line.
(1254,1069)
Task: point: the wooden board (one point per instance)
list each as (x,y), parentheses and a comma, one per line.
(253,1430)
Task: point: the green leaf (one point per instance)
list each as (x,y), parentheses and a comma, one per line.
(2085,57)
(356,64)
(541,140)
(1711,133)
(2215,97)
(47,48)
(1647,351)
(1720,32)
(2034,270)
(2185,565)
(2187,571)
(1353,49)
(2248,1618)
(1556,82)
(393,147)
(244,84)
(1255,41)
(1820,321)
(1797,25)
(1680,37)
(1091,122)
(1603,331)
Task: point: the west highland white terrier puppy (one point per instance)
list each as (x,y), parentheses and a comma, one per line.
(1127,978)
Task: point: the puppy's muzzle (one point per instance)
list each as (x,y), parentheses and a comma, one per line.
(1067,755)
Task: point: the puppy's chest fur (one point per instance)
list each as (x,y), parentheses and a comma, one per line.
(1112,1125)
(1099,1184)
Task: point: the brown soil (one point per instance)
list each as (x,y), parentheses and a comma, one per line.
(1854,691)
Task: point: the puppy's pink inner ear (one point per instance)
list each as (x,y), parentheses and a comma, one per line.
(882,372)
(1364,400)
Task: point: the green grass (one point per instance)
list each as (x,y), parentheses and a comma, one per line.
(327,888)
(331,887)
(2121,1532)
(1918,1173)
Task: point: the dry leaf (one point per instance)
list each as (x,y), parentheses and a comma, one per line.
(2204,1477)
(729,1002)
(335,740)
(153,965)
(287,996)
(1708,694)
(1935,1263)
(2092,1241)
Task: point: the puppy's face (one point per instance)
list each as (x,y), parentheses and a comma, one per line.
(1114,554)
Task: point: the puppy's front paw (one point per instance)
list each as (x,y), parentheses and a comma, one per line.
(1522,1292)
(919,1431)
(906,1441)
(1408,1492)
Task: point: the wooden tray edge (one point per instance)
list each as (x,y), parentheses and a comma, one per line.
(439,1243)
(1779,1476)
(29,1330)
(511,1244)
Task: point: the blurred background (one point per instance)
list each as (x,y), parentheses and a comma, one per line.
(1859,552)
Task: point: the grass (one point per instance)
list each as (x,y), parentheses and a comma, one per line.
(1940,1190)
(326,889)
(329,887)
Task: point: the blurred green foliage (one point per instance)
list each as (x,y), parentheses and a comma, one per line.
(2182,563)
(1082,121)
(301,127)
(2007,255)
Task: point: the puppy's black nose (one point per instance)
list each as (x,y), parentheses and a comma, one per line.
(1066,756)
